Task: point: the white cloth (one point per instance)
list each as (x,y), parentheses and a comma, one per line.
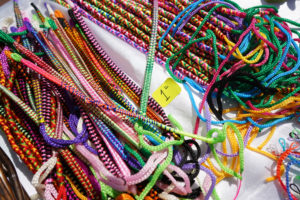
(133,62)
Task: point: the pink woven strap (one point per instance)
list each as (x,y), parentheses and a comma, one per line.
(102,173)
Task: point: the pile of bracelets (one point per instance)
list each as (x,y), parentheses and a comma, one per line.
(87,130)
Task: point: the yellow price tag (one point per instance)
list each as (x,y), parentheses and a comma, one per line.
(166,92)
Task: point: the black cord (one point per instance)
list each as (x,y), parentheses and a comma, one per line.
(238,76)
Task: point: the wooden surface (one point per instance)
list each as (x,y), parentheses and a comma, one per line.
(3,1)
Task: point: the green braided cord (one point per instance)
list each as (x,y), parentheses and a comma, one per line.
(46,23)
(134,120)
(39,53)
(219,138)
(52,24)
(17,57)
(150,61)
(287,20)
(141,132)
(135,154)
(143,108)
(103,192)
(240,141)
(157,174)
(160,147)
(175,122)
(18,33)
(241,151)
(213,140)
(6,38)
(108,190)
(105,189)
(215,194)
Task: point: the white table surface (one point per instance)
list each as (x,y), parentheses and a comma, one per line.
(257,167)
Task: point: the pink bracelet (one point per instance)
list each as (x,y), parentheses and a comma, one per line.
(148,169)
(103,174)
(91,91)
(119,161)
(187,188)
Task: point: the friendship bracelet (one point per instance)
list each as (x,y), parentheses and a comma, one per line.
(73,114)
